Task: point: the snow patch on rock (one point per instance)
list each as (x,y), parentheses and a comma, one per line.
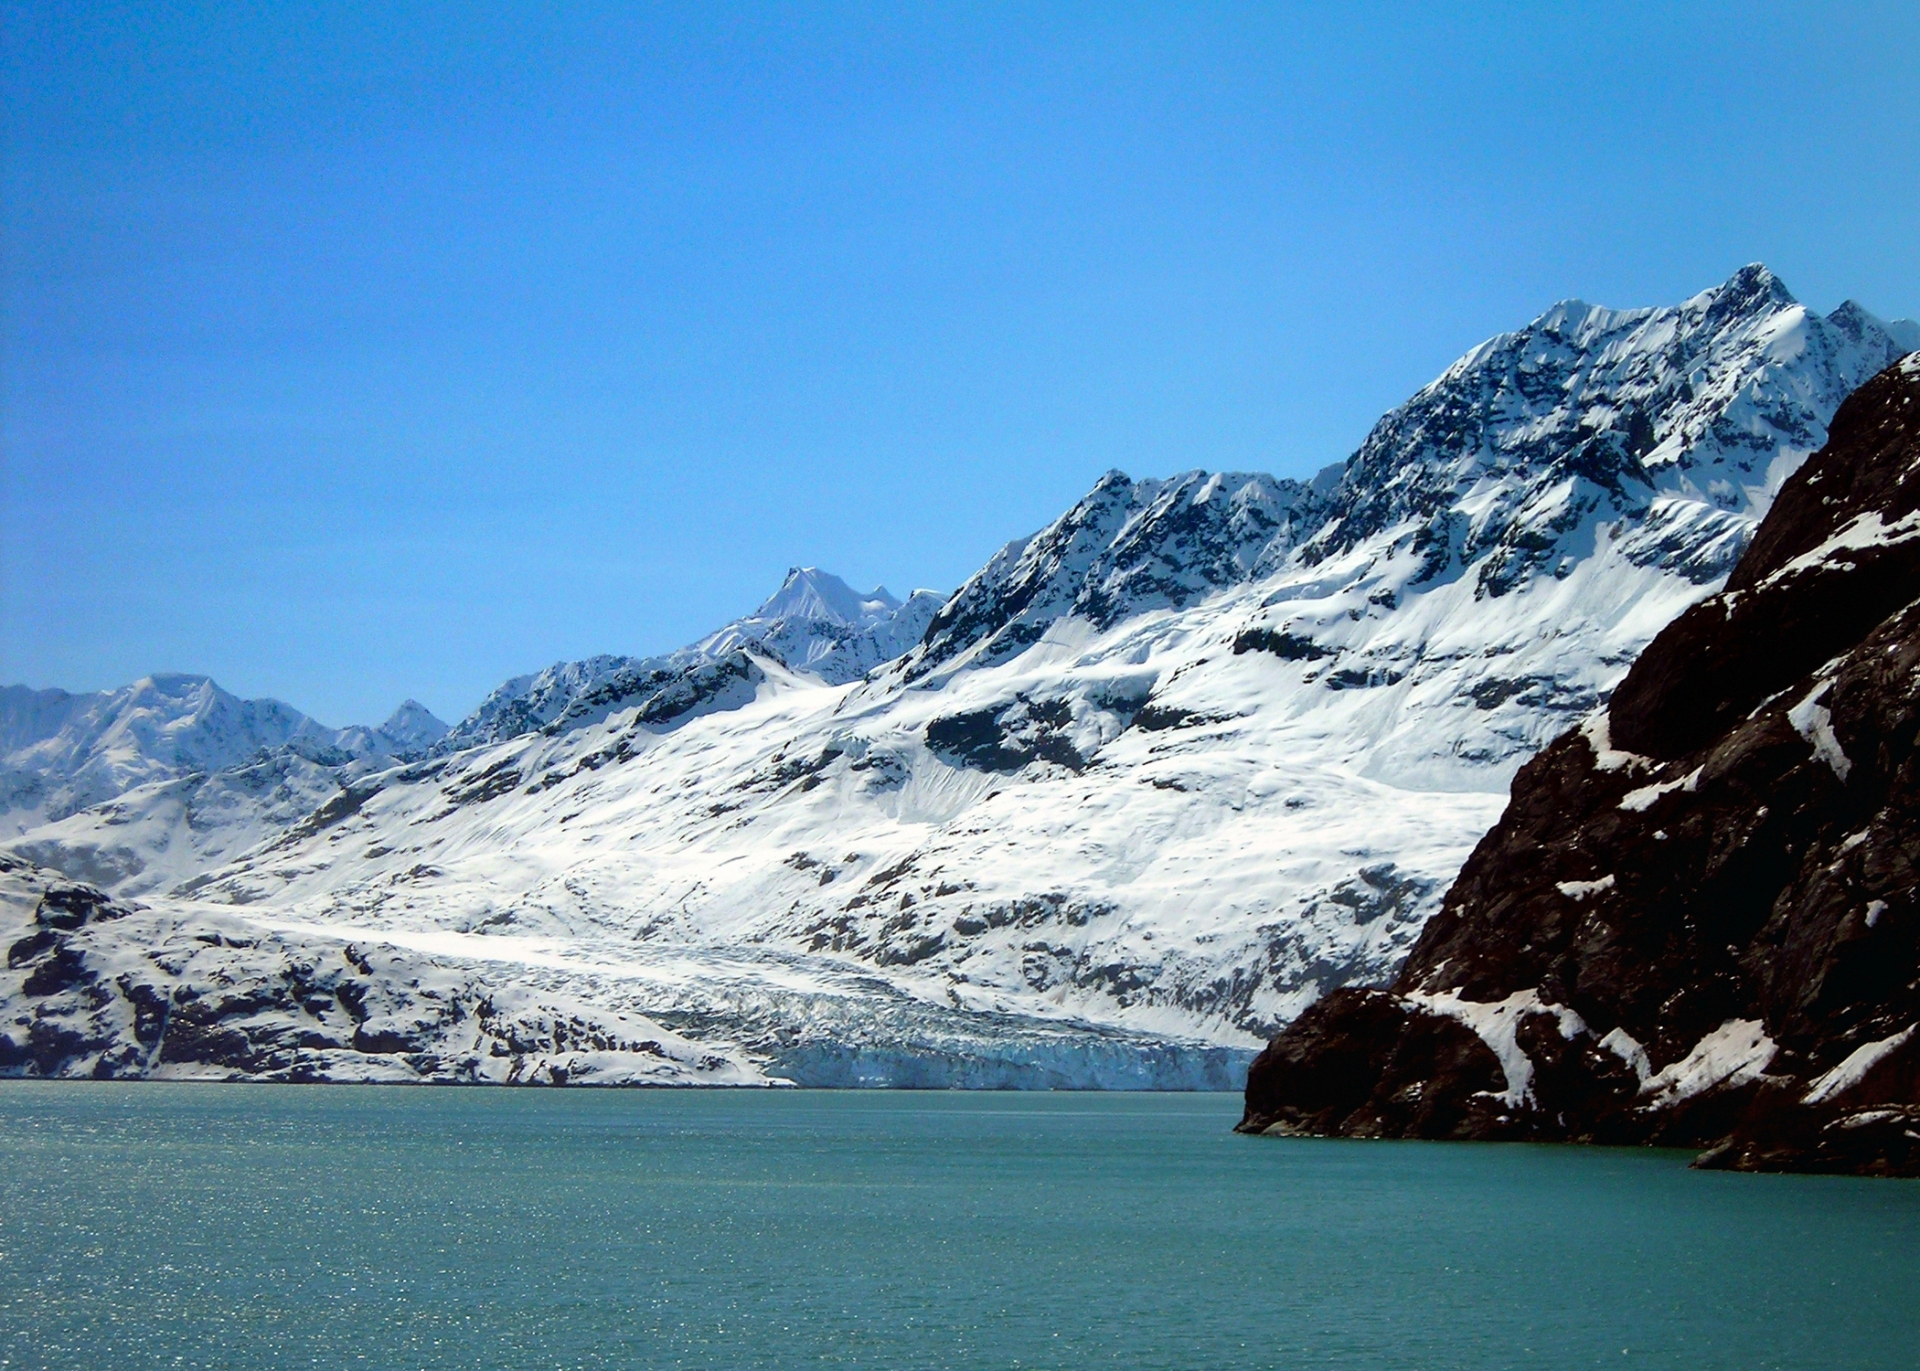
(1851,1071)
(1731,1055)
(1498,1026)
(1812,721)
(1640,800)
(1577,891)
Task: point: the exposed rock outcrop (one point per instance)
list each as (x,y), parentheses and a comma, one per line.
(1698,921)
(107,989)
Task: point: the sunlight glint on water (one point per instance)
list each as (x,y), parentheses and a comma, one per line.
(262,1226)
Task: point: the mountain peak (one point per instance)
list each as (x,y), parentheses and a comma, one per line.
(810,593)
(413,725)
(1566,317)
(1753,287)
(1857,321)
(175,684)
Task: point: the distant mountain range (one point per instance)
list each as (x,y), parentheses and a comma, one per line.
(61,753)
(1155,779)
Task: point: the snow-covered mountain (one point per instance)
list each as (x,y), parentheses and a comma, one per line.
(410,731)
(1152,780)
(61,753)
(818,624)
(144,788)
(815,623)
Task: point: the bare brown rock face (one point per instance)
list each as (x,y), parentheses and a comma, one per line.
(1698,922)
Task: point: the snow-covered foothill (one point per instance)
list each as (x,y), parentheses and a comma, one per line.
(99,988)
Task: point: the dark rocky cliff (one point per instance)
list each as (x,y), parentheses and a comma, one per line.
(1697,923)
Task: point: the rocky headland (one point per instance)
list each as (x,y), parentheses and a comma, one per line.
(1696,923)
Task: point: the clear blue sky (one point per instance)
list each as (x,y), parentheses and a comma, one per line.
(357,352)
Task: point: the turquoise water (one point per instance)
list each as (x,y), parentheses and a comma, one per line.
(268,1226)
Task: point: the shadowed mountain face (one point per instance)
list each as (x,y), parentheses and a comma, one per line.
(1698,921)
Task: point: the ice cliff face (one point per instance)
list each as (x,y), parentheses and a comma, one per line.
(1154,779)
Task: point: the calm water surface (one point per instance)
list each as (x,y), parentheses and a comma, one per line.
(264,1226)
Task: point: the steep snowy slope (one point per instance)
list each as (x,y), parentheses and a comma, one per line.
(1498,548)
(1172,767)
